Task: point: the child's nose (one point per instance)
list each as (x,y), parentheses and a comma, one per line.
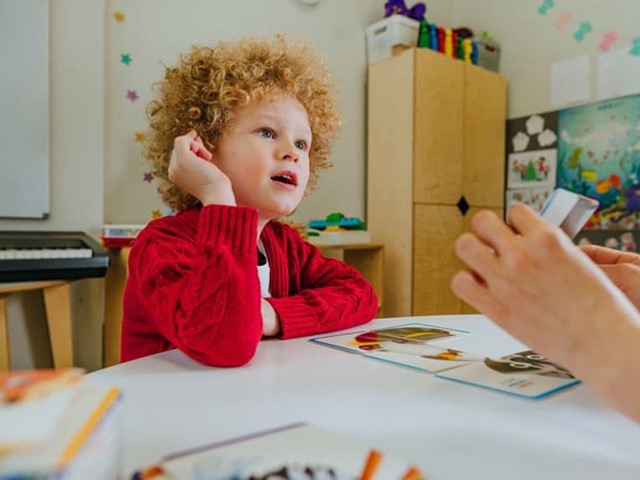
(289,152)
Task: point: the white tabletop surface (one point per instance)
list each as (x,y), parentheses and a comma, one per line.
(451,430)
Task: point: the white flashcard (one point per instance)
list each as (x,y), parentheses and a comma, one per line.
(568,210)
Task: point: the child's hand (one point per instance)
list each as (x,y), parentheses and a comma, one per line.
(192,170)
(270,320)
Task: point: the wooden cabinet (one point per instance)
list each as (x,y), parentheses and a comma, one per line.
(435,155)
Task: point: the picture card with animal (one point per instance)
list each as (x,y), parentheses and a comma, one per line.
(422,347)
(536,168)
(524,374)
(297,451)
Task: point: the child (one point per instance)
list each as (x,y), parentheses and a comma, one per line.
(238,134)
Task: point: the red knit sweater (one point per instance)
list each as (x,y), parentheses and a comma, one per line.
(193,285)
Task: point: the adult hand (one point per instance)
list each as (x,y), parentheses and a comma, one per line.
(623,268)
(535,283)
(192,170)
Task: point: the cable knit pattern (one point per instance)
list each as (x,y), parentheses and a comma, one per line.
(193,285)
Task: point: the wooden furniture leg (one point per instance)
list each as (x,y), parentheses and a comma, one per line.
(5,361)
(58,307)
(114,290)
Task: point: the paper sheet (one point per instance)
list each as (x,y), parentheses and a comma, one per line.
(618,74)
(570,80)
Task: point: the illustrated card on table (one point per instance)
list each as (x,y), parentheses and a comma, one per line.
(526,374)
(422,347)
(452,354)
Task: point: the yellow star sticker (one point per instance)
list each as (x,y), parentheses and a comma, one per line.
(119,16)
(140,136)
(156,214)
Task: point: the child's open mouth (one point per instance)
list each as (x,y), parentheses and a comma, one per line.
(286,178)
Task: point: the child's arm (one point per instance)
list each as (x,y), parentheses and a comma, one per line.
(330,295)
(199,289)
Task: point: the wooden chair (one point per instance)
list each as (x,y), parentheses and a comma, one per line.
(57,302)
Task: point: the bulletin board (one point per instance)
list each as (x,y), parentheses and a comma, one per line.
(24,116)
(591,149)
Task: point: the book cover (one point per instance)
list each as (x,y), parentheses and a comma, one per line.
(293,451)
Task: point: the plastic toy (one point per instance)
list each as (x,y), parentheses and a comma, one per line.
(398,7)
(337,221)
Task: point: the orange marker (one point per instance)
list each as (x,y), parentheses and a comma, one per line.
(371,466)
(412,474)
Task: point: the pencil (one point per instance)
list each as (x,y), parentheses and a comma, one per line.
(412,474)
(371,466)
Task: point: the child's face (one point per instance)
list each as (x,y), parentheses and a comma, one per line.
(265,154)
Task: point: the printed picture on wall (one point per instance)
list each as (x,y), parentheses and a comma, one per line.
(536,168)
(599,157)
(533,132)
(623,240)
(533,197)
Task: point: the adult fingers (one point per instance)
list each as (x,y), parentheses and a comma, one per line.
(524,220)
(493,231)
(479,256)
(473,290)
(608,256)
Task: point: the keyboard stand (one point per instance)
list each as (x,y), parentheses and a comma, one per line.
(56,295)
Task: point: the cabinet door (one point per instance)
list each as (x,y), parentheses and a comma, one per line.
(466,308)
(434,263)
(438,123)
(485,106)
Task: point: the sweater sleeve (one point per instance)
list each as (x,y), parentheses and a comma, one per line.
(203,295)
(332,295)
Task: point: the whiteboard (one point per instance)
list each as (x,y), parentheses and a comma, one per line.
(24,109)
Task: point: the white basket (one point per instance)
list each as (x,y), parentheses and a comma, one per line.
(395,30)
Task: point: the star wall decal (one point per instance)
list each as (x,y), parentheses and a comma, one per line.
(156,214)
(140,136)
(132,95)
(119,16)
(125,58)
(148,177)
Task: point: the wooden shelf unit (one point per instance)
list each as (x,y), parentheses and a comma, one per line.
(436,135)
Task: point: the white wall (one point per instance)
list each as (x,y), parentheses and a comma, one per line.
(77,181)
(531,43)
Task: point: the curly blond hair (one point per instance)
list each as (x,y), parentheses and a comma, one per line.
(208,85)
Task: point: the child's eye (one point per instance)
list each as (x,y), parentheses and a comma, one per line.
(302,145)
(266,133)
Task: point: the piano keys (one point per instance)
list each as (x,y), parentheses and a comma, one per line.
(30,256)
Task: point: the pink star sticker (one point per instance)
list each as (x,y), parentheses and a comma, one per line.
(132,95)
(148,177)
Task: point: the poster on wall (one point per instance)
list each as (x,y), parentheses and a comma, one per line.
(532,151)
(599,156)
(533,197)
(532,169)
(623,240)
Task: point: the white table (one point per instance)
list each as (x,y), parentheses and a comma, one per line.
(451,431)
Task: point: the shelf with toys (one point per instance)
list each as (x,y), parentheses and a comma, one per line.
(404,28)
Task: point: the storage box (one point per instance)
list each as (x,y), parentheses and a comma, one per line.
(392,32)
(488,54)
